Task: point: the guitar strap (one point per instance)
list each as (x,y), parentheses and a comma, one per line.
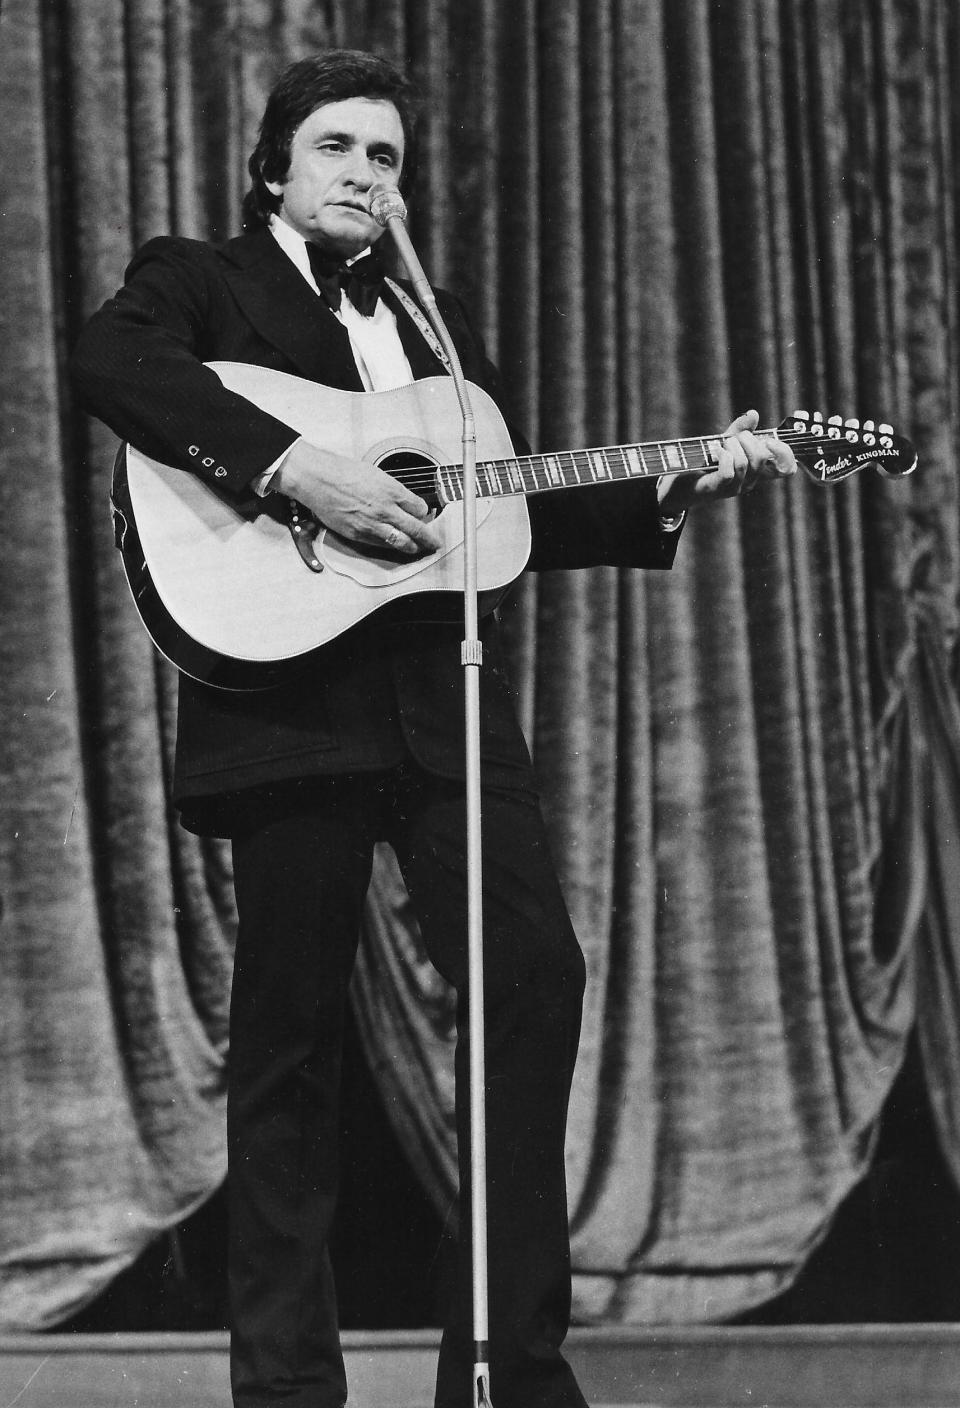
(419,318)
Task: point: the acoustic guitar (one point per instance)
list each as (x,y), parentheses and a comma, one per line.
(238,600)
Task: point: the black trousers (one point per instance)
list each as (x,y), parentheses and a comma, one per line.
(302,863)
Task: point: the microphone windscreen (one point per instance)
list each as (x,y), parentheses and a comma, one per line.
(386,202)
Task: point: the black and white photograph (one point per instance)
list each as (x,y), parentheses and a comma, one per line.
(480,704)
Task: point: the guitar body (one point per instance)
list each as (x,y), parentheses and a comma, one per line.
(237,601)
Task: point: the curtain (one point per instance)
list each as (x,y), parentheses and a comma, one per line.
(660,212)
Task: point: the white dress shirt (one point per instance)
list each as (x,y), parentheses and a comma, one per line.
(374,341)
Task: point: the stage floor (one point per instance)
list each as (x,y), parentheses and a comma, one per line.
(846,1366)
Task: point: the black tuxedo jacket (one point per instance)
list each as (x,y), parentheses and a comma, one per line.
(384,690)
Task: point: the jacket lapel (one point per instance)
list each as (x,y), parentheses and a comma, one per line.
(275,300)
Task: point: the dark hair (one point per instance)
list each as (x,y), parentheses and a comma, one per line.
(308,84)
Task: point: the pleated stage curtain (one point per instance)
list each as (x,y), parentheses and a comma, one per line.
(661,213)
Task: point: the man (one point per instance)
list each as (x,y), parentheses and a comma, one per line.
(365,744)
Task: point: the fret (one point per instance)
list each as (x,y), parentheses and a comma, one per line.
(552,467)
(601,466)
(516,478)
(450,483)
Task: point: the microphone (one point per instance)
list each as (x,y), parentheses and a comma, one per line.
(386,203)
(388,209)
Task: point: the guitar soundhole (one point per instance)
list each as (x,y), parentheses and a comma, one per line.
(415,472)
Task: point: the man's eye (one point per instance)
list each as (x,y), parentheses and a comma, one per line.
(330,146)
(387,162)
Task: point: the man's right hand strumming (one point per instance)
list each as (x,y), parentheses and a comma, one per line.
(357,500)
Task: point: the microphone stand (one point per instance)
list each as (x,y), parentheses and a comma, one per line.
(388,209)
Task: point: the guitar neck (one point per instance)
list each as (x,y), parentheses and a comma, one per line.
(567,469)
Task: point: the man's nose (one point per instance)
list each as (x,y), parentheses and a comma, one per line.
(360,171)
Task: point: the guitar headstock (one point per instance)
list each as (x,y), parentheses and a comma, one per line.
(831,449)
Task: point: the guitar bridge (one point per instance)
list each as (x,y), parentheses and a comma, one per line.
(304,529)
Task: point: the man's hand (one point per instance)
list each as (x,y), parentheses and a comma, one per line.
(743,460)
(357,500)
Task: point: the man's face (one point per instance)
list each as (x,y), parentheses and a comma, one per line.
(337,154)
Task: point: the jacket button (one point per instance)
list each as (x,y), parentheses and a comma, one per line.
(220,472)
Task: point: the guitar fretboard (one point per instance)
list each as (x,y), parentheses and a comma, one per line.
(568,468)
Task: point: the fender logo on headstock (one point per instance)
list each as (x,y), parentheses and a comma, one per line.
(832,449)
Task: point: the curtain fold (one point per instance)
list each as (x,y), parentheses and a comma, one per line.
(659,214)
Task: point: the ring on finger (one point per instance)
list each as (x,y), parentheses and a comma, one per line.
(394,538)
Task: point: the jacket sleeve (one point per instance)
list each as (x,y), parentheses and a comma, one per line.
(602,525)
(138,366)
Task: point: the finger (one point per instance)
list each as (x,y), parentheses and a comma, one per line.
(749,420)
(782,458)
(769,458)
(396,540)
(409,536)
(423,535)
(732,464)
(411,503)
(761,463)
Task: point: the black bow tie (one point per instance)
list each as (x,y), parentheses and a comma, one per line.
(361,281)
